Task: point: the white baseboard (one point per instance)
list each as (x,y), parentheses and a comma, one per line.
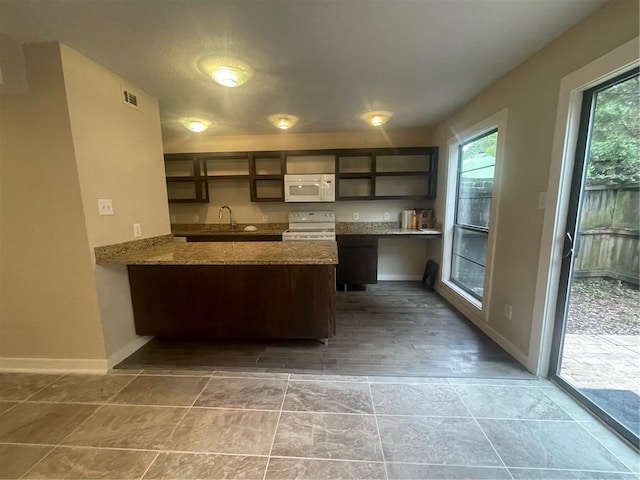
(53,365)
(70,365)
(514,351)
(398,277)
(116,357)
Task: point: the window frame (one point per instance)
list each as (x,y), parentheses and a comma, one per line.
(572,86)
(467,226)
(475,307)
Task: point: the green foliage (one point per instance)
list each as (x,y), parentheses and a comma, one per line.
(614,155)
(486,145)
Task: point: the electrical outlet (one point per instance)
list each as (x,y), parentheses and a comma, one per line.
(173,219)
(265,218)
(137,230)
(196,218)
(105,206)
(385,216)
(355,216)
(508,309)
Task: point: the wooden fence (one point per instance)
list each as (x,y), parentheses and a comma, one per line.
(608,236)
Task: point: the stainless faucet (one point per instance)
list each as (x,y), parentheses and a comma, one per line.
(232,224)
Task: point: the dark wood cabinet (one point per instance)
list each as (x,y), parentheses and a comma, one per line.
(357,260)
(186,180)
(267,176)
(361,174)
(233,301)
(189,175)
(387,173)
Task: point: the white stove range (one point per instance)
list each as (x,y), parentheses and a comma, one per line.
(315,225)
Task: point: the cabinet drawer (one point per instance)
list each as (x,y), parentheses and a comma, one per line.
(357,241)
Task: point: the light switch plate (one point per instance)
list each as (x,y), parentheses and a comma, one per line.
(105,206)
(137,230)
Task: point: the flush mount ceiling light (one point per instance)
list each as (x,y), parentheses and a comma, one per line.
(196,125)
(227,71)
(376,118)
(283,121)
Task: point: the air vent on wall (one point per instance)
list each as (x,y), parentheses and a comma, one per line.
(129,98)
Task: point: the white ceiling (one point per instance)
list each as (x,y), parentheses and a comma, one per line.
(325,61)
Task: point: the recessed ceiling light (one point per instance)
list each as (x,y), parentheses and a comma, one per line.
(376,118)
(196,125)
(283,121)
(227,71)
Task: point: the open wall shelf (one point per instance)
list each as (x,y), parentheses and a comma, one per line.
(361,174)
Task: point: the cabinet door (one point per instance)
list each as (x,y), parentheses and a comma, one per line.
(357,260)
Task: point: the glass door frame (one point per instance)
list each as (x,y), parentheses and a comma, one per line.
(571,249)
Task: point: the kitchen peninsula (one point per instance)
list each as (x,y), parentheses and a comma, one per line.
(229,289)
(357,244)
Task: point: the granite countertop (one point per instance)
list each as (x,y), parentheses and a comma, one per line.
(380,229)
(164,251)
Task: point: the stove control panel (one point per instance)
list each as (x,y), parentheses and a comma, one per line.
(314,216)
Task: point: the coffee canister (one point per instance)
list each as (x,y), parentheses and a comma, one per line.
(426,218)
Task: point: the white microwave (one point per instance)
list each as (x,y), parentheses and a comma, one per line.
(320,187)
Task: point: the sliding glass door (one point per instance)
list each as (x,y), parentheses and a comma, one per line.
(596,345)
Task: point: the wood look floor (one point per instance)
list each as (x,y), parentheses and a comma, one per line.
(393,328)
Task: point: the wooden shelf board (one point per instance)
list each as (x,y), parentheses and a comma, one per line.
(362,197)
(243,176)
(184,179)
(274,176)
(268,199)
(403,174)
(356,175)
(403,197)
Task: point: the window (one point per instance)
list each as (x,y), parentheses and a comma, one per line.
(470,233)
(470,214)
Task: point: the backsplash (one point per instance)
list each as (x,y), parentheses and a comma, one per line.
(235,194)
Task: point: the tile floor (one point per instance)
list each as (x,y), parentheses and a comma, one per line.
(215,424)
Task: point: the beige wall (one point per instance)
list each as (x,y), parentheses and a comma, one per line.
(118,152)
(70,141)
(48,302)
(530,93)
(398,259)
(118,156)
